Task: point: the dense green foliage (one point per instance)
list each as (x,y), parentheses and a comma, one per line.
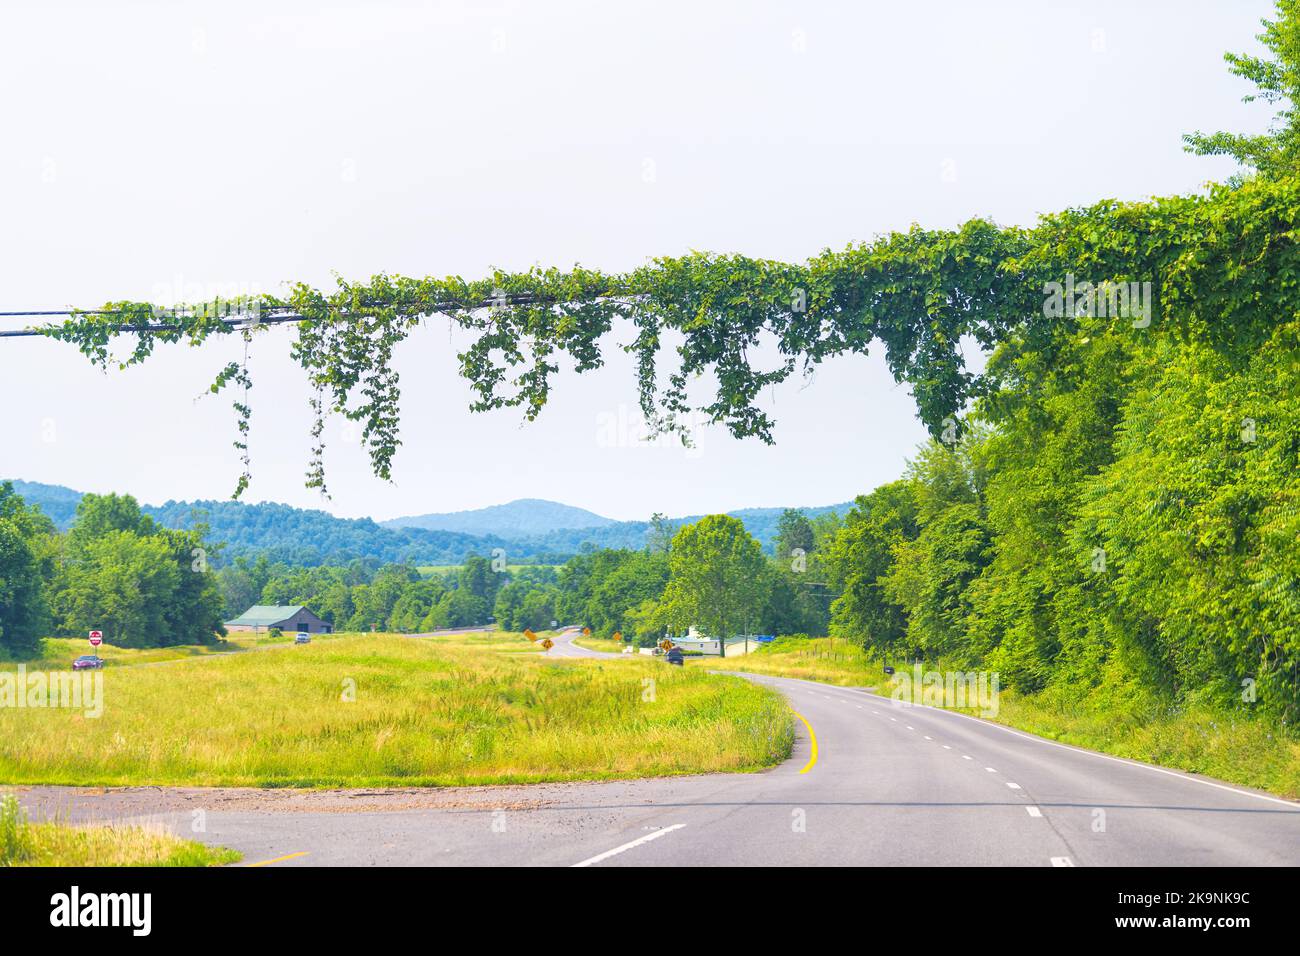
(25,564)
(1276,81)
(1124,521)
(115,570)
(715,578)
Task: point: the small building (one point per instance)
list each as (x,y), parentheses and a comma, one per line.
(263,617)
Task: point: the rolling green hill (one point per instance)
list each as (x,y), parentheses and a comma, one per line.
(524,529)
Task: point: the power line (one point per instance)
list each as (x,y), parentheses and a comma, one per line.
(277,316)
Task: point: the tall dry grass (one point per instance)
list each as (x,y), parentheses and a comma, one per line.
(390,710)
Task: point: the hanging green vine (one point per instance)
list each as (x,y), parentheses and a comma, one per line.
(1220,264)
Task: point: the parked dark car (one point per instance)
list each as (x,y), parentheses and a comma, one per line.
(87,662)
(675,656)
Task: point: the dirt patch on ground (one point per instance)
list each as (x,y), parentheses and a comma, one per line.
(121,804)
(113,803)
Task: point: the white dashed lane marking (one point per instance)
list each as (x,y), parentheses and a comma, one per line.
(627,846)
(1062,861)
(1033,811)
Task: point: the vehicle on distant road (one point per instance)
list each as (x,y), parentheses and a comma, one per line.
(302,638)
(674,655)
(87,662)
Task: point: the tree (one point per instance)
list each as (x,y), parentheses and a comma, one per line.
(636,577)
(97,515)
(242,584)
(23,611)
(644,624)
(478,577)
(858,560)
(414,605)
(192,611)
(122,584)
(715,578)
(26,565)
(1277,82)
(659,536)
(794,534)
(142,584)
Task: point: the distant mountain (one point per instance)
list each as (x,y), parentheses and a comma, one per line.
(59,503)
(310,537)
(524,518)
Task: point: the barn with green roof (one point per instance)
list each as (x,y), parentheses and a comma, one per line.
(288,618)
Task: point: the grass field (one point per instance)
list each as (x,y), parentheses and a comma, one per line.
(380,710)
(600,644)
(820,659)
(23,843)
(58,653)
(1223,745)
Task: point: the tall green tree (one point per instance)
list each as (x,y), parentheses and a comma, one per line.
(794,535)
(859,559)
(24,614)
(716,572)
(122,584)
(1276,78)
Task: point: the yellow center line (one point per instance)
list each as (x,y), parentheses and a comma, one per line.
(812,737)
(280,859)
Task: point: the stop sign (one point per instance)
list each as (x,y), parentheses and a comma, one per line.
(96,638)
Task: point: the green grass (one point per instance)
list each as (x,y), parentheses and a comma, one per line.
(600,644)
(58,653)
(1198,738)
(820,659)
(463,709)
(1122,721)
(23,843)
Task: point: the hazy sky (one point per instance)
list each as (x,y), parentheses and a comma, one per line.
(166,151)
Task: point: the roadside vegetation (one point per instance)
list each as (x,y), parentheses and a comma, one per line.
(58,653)
(820,659)
(23,843)
(381,710)
(608,645)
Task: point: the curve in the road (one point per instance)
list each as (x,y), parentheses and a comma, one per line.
(889,785)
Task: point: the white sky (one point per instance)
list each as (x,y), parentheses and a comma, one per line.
(152,150)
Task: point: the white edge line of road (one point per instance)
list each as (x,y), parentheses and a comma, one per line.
(1079,750)
(627,846)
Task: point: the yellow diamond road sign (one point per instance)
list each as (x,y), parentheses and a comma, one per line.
(548,643)
(530,635)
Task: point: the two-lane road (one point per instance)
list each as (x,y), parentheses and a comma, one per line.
(888,785)
(564,646)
